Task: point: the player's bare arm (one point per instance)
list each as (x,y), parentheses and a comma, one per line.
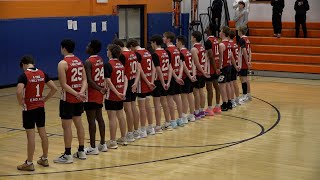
(112,88)
(211,59)
(62,68)
(136,81)
(222,48)
(194,52)
(20,87)
(160,76)
(125,87)
(53,90)
(91,83)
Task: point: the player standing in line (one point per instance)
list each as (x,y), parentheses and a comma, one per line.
(162,82)
(29,95)
(73,81)
(234,72)
(174,90)
(117,84)
(198,55)
(145,86)
(96,90)
(212,48)
(244,63)
(188,77)
(130,63)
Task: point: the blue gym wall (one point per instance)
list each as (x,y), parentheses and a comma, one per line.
(40,37)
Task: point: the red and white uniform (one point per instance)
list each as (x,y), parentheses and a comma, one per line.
(117,79)
(215,51)
(226,57)
(242,63)
(188,60)
(74,75)
(235,50)
(175,58)
(130,64)
(163,62)
(201,56)
(146,65)
(97,75)
(32,96)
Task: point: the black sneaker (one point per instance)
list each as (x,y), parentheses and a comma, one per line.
(229,105)
(224,107)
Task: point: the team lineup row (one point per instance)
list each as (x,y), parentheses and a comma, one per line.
(174,77)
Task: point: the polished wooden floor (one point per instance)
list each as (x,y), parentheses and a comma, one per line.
(275,136)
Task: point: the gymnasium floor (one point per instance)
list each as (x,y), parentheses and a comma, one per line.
(275,136)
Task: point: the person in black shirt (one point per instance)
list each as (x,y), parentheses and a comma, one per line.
(216,10)
(301,7)
(277,10)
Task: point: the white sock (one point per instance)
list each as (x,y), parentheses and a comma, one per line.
(210,107)
(196,111)
(28,163)
(217,105)
(201,109)
(233,100)
(43,158)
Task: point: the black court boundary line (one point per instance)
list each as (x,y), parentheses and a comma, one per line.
(166,159)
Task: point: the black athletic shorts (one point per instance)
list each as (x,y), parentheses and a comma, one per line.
(200,83)
(174,88)
(34,117)
(225,75)
(130,96)
(187,87)
(69,110)
(243,72)
(159,90)
(92,106)
(234,74)
(212,77)
(113,105)
(143,95)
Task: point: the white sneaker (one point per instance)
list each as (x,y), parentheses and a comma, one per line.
(238,101)
(64,159)
(185,120)
(249,97)
(136,134)
(91,151)
(112,144)
(158,130)
(234,104)
(143,133)
(150,130)
(130,137)
(122,141)
(191,118)
(103,147)
(167,126)
(80,155)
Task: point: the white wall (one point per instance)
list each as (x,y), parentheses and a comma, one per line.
(263,11)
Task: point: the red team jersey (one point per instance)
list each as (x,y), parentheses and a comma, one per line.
(175,58)
(74,78)
(117,79)
(97,75)
(215,50)
(33,90)
(130,64)
(235,50)
(188,61)
(163,62)
(201,56)
(242,63)
(146,65)
(226,60)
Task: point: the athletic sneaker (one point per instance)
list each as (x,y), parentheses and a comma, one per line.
(103,147)
(122,141)
(209,112)
(234,104)
(249,97)
(174,124)
(80,155)
(150,130)
(197,116)
(191,118)
(64,159)
(180,122)
(143,133)
(130,137)
(244,99)
(136,134)
(224,107)
(43,162)
(91,151)
(166,126)
(26,167)
(237,101)
(112,144)
(217,110)
(202,114)
(185,119)
(158,130)
(229,105)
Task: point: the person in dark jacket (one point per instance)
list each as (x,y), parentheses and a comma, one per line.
(301,7)
(277,10)
(216,10)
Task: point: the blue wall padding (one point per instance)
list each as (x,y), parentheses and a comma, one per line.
(41,38)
